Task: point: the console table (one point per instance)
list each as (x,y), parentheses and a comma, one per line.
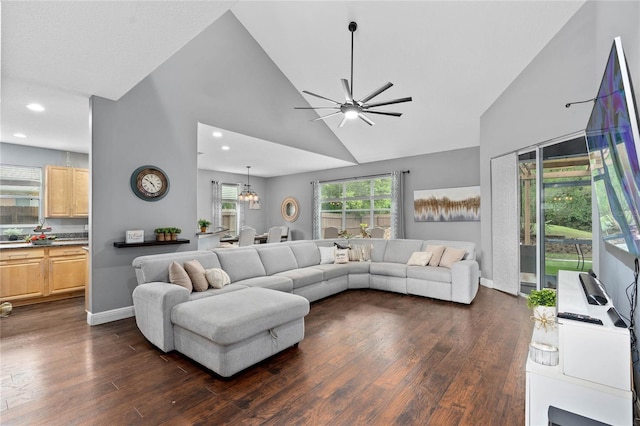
(593,377)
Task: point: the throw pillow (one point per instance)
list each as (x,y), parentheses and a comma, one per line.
(365,251)
(355,254)
(177,275)
(451,255)
(326,255)
(217,278)
(340,246)
(419,258)
(342,256)
(436,254)
(196,273)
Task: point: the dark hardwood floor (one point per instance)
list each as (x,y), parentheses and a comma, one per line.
(368,358)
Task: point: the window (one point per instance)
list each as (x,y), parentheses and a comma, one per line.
(348,204)
(230,208)
(20,191)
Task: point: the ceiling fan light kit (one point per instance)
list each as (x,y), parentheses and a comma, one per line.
(352,108)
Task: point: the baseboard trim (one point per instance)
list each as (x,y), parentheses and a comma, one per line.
(486,282)
(109,316)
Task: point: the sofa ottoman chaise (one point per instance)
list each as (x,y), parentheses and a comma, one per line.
(235,330)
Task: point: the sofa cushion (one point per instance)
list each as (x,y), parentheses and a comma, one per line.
(468,246)
(272,282)
(232,317)
(303,276)
(399,251)
(388,269)
(306,254)
(177,275)
(241,263)
(429,273)
(196,273)
(327,254)
(378,246)
(358,267)
(276,258)
(217,277)
(436,254)
(419,258)
(450,256)
(215,291)
(333,270)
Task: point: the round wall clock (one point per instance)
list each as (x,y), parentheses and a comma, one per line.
(149,183)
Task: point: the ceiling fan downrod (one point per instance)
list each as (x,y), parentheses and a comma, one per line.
(352,27)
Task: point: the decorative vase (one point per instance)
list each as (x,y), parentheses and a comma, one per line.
(167,236)
(203,229)
(545,329)
(174,237)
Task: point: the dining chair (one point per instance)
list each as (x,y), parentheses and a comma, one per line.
(247,237)
(275,235)
(331,232)
(376,232)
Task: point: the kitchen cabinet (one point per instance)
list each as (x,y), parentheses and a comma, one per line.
(67,269)
(33,275)
(66,192)
(22,274)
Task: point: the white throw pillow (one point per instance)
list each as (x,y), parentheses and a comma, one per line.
(326,255)
(342,256)
(419,258)
(451,255)
(217,278)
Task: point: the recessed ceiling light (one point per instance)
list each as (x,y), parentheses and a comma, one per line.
(225,148)
(217,134)
(35,107)
(19,135)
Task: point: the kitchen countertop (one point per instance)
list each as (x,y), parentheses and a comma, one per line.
(56,243)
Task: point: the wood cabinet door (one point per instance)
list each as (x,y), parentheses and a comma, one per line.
(21,274)
(67,269)
(80,206)
(58,192)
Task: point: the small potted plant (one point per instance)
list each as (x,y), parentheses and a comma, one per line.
(160,234)
(13,233)
(543,303)
(204,224)
(174,233)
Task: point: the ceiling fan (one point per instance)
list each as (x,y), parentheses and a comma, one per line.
(352,108)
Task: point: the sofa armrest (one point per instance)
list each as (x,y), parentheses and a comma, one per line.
(152,303)
(464,281)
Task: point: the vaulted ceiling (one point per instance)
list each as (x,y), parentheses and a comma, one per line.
(453,58)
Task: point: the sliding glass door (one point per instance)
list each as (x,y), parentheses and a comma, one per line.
(555,212)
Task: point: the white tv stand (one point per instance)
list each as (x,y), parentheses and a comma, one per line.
(593,377)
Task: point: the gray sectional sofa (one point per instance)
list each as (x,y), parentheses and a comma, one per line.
(172,318)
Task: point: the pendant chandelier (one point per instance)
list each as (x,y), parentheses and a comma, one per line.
(247,193)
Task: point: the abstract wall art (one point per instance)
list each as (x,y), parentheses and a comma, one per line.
(447,205)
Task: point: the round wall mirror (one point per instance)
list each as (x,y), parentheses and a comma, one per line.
(290,209)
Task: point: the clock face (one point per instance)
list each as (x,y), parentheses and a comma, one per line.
(149,183)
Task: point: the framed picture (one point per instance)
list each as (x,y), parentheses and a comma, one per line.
(134,236)
(254,205)
(447,205)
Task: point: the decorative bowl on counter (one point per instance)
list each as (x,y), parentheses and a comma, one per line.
(46,242)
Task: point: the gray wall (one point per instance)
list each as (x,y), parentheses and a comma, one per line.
(19,155)
(208,81)
(441,170)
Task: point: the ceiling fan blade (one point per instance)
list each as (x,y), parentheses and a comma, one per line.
(344,120)
(376,92)
(326,116)
(347,91)
(365,119)
(333,107)
(393,101)
(321,97)
(395,114)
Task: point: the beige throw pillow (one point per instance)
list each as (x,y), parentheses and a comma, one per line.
(217,278)
(196,273)
(363,250)
(419,258)
(451,255)
(177,275)
(436,254)
(341,256)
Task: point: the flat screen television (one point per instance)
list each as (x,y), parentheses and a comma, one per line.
(613,142)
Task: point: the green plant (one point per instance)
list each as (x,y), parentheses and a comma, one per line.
(177,231)
(204,222)
(13,231)
(160,230)
(544,297)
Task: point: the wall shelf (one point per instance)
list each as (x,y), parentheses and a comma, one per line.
(122,244)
